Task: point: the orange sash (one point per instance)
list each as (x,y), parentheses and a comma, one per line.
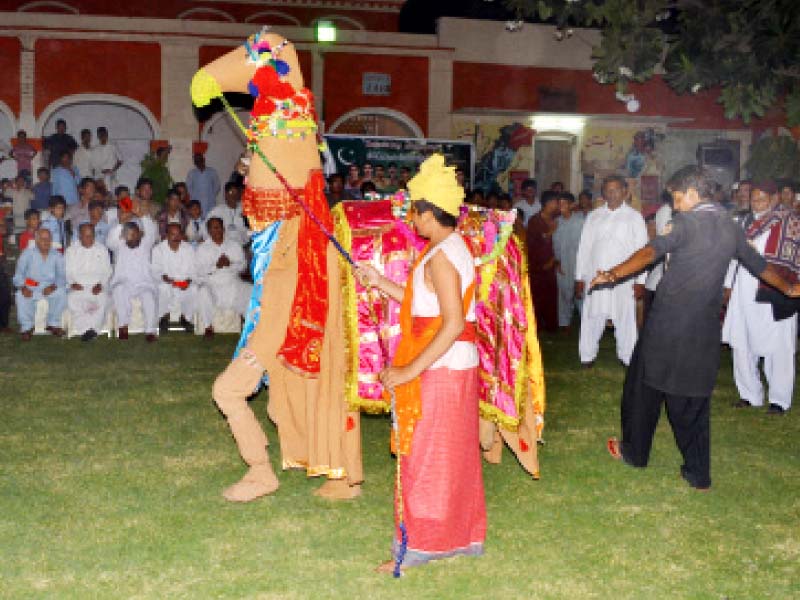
(415,334)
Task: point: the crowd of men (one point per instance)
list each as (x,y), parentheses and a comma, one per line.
(87,251)
(569,242)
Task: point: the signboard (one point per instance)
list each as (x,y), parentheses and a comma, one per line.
(346,150)
(376,84)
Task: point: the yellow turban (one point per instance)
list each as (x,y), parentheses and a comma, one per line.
(436,183)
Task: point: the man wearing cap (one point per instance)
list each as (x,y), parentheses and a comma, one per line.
(40,275)
(758,323)
(434,379)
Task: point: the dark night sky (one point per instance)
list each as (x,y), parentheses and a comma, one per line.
(419,16)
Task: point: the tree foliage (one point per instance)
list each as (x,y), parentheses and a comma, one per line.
(749,49)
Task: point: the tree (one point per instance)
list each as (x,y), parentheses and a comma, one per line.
(749,49)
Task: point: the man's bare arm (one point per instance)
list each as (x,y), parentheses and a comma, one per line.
(638,261)
(771,277)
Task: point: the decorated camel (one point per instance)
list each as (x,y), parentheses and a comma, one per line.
(312,332)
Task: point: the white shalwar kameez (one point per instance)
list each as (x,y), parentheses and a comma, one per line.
(232,222)
(752,332)
(132,278)
(566,238)
(221,288)
(609,237)
(181,266)
(87,267)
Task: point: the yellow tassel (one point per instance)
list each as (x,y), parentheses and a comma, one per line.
(204,88)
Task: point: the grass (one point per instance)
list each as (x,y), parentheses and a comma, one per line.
(113,459)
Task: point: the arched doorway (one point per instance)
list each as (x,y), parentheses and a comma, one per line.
(8,168)
(131,126)
(225,142)
(376,121)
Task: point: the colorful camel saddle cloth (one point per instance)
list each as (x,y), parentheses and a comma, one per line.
(377,232)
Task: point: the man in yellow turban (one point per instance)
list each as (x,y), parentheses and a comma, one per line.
(439,493)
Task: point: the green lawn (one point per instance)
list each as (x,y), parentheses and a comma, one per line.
(113,459)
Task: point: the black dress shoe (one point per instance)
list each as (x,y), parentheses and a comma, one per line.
(187,326)
(742,403)
(88,335)
(587,365)
(775,409)
(163,324)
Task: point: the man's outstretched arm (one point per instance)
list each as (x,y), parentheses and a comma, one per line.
(771,277)
(638,261)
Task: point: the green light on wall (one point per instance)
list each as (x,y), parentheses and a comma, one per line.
(325,31)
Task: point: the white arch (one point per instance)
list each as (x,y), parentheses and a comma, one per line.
(334,18)
(39,5)
(107,98)
(211,11)
(6,110)
(273,13)
(379,110)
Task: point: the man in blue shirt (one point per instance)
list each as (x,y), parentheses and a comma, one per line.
(65,180)
(56,224)
(203,184)
(42,190)
(40,274)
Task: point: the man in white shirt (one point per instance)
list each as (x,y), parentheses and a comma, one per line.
(174,267)
(662,220)
(231,215)
(219,263)
(88,271)
(105,159)
(203,184)
(753,327)
(528,205)
(132,278)
(21,197)
(82,159)
(612,232)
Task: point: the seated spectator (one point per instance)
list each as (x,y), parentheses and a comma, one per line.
(21,198)
(144,194)
(100,227)
(786,191)
(219,263)
(79,213)
(173,213)
(121,193)
(42,190)
(405,175)
(557,187)
(57,224)
(353,184)
(24,153)
(196,229)
(492,200)
(88,271)
(28,237)
(175,269)
(40,275)
(231,214)
(504,202)
(132,278)
(381,183)
(585,202)
(5,287)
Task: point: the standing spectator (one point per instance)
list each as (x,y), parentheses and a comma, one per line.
(542,262)
(203,184)
(528,205)
(662,220)
(40,275)
(21,197)
(231,214)
(173,213)
(756,323)
(504,202)
(380,179)
(132,278)
(56,224)
(368,172)
(24,153)
(156,170)
(88,271)
(175,269)
(105,159)
(5,286)
(585,202)
(742,198)
(557,187)
(65,179)
(565,246)
(336,192)
(82,157)
(394,182)
(58,143)
(28,237)
(612,232)
(353,184)
(42,190)
(183,192)
(195,231)
(405,176)
(219,262)
(786,191)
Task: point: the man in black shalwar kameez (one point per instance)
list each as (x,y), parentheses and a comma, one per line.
(677,356)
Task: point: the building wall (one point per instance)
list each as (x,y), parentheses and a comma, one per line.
(66,67)
(9,67)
